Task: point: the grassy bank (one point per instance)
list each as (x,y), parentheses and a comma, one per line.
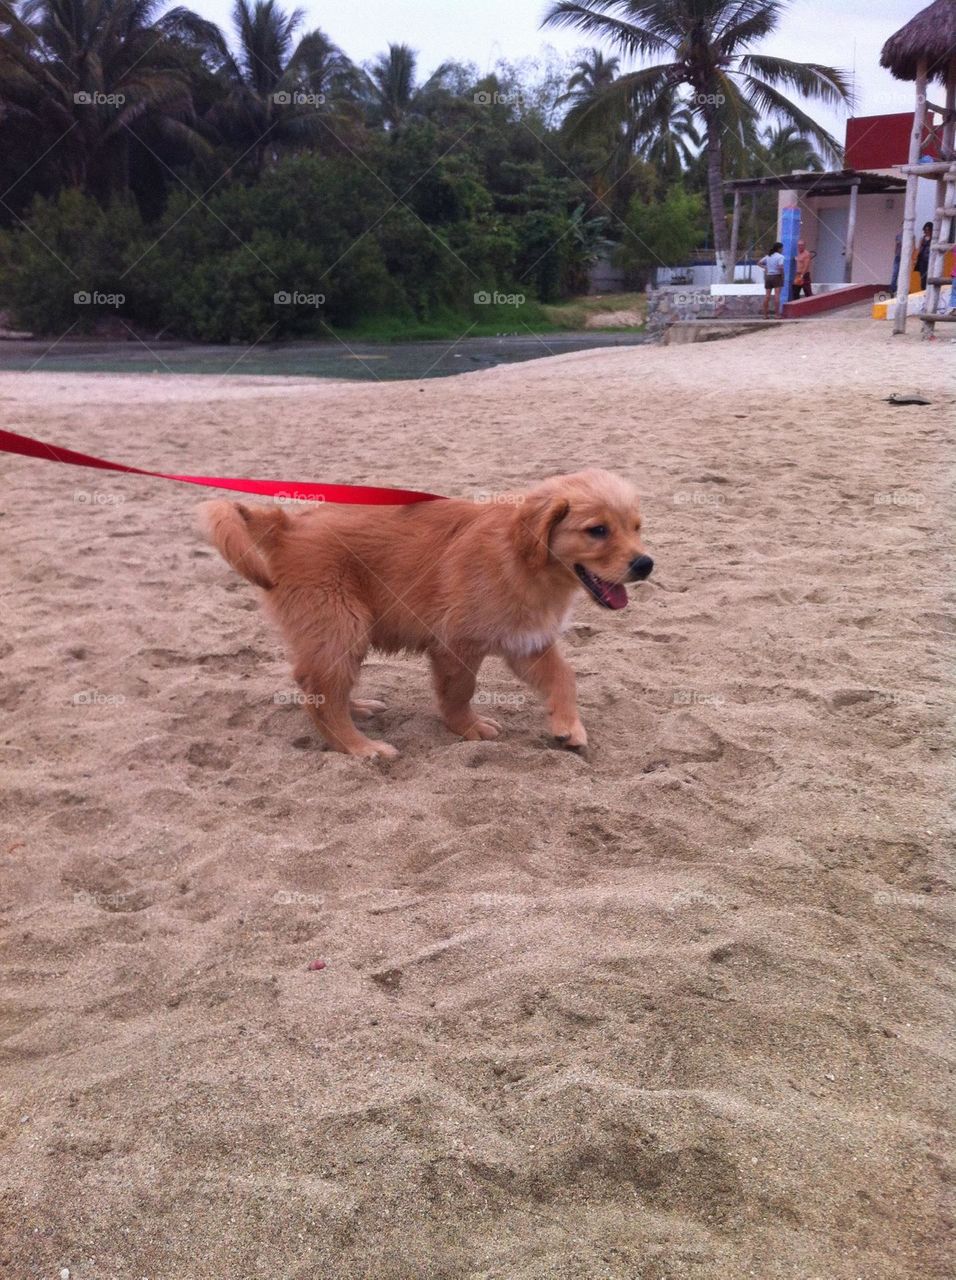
(491,320)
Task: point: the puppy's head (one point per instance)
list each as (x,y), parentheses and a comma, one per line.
(586,526)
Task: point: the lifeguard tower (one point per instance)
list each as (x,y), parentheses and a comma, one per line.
(925,51)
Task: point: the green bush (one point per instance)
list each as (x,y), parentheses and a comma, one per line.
(316,244)
(69,265)
(661,232)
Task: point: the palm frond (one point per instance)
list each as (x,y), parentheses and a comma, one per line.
(754,20)
(619,100)
(764,97)
(809,79)
(593,18)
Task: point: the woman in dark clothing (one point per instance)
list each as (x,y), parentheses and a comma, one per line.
(922,254)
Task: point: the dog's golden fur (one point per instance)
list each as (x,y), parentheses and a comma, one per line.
(455,579)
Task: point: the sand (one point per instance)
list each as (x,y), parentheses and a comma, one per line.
(673,1011)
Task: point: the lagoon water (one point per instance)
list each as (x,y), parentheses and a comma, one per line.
(362,361)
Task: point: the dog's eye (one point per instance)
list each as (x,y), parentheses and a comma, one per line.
(598,530)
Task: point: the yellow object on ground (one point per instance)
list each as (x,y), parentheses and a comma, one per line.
(886,309)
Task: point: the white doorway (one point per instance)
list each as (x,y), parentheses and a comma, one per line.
(829,264)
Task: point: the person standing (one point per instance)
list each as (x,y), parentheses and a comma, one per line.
(772,266)
(801,276)
(922,254)
(897,254)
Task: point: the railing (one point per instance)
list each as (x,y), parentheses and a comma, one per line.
(703,274)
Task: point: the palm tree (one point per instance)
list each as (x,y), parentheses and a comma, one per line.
(784,149)
(592,76)
(707,46)
(665,134)
(392,96)
(591,118)
(660,130)
(279,89)
(87,77)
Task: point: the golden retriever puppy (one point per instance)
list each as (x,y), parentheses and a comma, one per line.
(454,579)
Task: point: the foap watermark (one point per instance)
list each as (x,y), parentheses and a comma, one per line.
(298,98)
(296,698)
(897,898)
(899,498)
(696,898)
(97,498)
(296,299)
(692,298)
(708,99)
(93,298)
(696,698)
(484,298)
(85,98)
(497,98)
(292,498)
(487,698)
(96,698)
(292,898)
(895,698)
(698,498)
(498,499)
(97,898)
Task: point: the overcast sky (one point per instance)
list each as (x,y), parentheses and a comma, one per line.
(842,33)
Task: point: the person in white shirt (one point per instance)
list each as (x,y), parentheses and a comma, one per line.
(772,266)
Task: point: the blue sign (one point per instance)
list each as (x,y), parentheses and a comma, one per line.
(789,234)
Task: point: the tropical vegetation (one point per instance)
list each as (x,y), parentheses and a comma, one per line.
(162,176)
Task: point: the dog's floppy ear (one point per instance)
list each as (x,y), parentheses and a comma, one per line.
(537,517)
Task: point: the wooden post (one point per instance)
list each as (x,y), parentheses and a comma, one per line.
(909,207)
(734,236)
(850,235)
(946,135)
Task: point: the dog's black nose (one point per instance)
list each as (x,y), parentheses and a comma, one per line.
(641,568)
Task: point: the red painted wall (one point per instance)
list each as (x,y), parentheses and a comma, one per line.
(879,142)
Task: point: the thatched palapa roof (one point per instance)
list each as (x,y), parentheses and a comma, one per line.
(930,35)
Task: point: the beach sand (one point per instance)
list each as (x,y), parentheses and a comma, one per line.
(676,1010)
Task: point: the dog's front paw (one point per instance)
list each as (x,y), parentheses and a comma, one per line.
(571,734)
(481,729)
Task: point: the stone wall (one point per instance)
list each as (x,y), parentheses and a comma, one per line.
(684,302)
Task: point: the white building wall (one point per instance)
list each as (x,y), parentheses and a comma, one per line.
(878,218)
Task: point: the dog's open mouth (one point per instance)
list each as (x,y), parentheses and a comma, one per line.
(610,595)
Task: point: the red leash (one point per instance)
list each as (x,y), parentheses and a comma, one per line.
(11,442)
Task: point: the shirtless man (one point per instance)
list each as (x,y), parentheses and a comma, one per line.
(801,275)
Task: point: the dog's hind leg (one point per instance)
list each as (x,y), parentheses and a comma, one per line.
(455,676)
(327,662)
(551,677)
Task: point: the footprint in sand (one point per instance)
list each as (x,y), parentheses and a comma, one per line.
(208,755)
(581,634)
(865,702)
(388,979)
(94,881)
(85,820)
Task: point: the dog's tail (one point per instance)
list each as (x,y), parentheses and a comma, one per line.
(244,536)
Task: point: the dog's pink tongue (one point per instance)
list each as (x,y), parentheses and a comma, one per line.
(614,595)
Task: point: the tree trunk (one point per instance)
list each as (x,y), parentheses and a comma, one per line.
(715,192)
